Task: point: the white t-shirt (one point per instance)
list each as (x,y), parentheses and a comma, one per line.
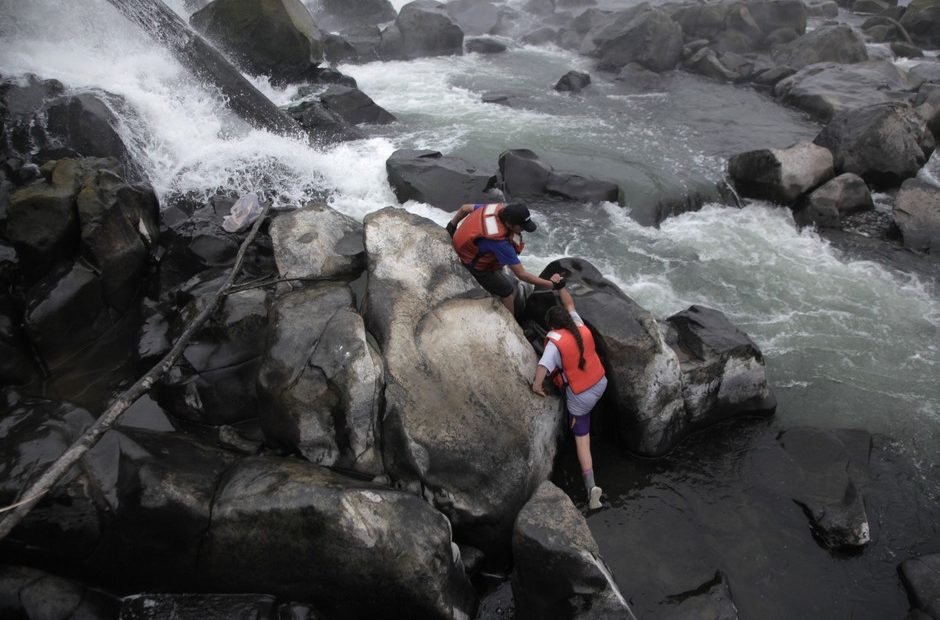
(578,404)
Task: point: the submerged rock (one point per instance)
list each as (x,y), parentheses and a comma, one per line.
(710,600)
(485,45)
(432,323)
(921,578)
(354,106)
(573,81)
(323,124)
(558,569)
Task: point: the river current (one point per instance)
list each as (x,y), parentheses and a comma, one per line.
(848,343)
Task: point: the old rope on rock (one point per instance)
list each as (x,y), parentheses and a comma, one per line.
(18,511)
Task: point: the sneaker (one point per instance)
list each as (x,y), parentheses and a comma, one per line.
(595,498)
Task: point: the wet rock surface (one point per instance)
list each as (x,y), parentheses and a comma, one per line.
(781,175)
(442,181)
(317,242)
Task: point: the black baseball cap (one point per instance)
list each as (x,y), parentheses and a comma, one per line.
(518,213)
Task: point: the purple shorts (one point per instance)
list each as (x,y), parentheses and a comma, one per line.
(580,424)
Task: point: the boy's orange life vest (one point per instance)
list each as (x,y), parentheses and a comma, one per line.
(483,223)
(578,380)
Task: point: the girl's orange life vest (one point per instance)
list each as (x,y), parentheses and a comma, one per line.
(578,380)
(483,223)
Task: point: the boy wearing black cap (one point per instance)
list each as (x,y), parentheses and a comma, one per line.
(487,238)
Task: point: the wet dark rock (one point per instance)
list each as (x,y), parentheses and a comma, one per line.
(648,37)
(822,8)
(337,49)
(917,215)
(827,205)
(442,181)
(20,99)
(366,41)
(65,311)
(710,600)
(213,383)
(42,224)
(321,381)
(339,544)
(869,6)
(323,125)
(422,28)
(475,17)
(706,62)
(770,77)
(146,414)
(354,106)
(883,143)
(84,126)
(906,50)
(65,524)
(643,402)
(30,593)
(317,242)
(119,230)
(921,578)
(573,81)
(426,322)
(209,606)
(16,363)
(497,98)
(722,369)
(922,22)
(826,89)
(832,465)
(485,45)
(278,39)
(780,175)
(558,569)
(839,44)
(925,74)
(342,15)
(523,174)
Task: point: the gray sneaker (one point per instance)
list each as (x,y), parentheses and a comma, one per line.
(595,498)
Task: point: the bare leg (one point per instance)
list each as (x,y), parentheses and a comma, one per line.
(510,302)
(583,446)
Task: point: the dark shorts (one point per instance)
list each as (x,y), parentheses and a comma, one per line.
(495,282)
(580,424)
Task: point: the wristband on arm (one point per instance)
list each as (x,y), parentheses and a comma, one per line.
(556,286)
(451,228)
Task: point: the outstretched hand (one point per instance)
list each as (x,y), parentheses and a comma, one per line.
(538,389)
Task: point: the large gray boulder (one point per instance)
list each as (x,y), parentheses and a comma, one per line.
(917,215)
(826,89)
(30,593)
(433,323)
(320,384)
(475,17)
(277,38)
(883,143)
(722,369)
(423,28)
(921,579)
(828,204)
(648,37)
(927,105)
(559,572)
(354,549)
(830,466)
(839,44)
(921,19)
(316,243)
(442,181)
(780,175)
